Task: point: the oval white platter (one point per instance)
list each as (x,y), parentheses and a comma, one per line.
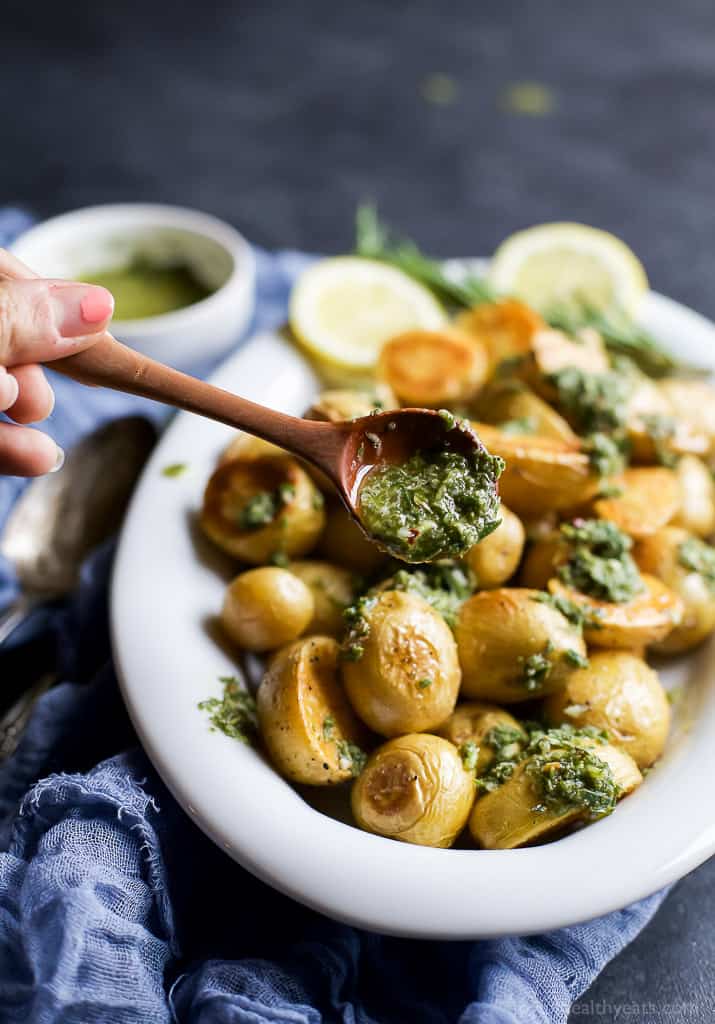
(167,589)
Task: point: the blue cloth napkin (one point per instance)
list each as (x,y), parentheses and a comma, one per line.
(115,909)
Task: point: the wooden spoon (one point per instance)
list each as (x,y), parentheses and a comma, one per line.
(345,451)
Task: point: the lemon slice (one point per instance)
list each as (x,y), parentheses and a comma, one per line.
(551,264)
(344,309)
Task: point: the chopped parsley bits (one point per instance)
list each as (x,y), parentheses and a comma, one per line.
(175,469)
(358,627)
(469,752)
(350,757)
(575,659)
(599,563)
(233,714)
(661,429)
(568,609)
(606,453)
(424,684)
(595,402)
(264,507)
(444,585)
(535,670)
(697,556)
(328,727)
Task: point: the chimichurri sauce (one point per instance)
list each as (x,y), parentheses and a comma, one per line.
(437,504)
(141,289)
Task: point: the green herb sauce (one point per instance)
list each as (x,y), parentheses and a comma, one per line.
(595,402)
(469,752)
(142,290)
(536,669)
(174,469)
(263,507)
(606,453)
(233,714)
(599,562)
(443,585)
(697,556)
(435,505)
(351,757)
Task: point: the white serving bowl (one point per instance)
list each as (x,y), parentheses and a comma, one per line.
(99,238)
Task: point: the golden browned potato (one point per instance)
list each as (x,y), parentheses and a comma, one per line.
(541,474)
(254,510)
(307,724)
(513,646)
(671,555)
(697,497)
(645,620)
(553,351)
(495,559)
(514,814)
(653,430)
(505,328)
(472,721)
(344,543)
(649,498)
(433,368)
(247,448)
(514,404)
(333,589)
(620,693)
(415,789)
(266,608)
(339,404)
(543,557)
(400,669)
(692,402)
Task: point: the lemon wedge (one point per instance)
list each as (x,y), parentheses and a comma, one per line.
(552,264)
(343,309)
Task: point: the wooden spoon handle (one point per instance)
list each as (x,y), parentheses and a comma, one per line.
(110,364)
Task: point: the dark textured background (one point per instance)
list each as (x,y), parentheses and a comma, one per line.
(280,117)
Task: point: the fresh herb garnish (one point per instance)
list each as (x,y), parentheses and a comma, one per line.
(599,563)
(568,773)
(444,585)
(507,744)
(350,757)
(661,428)
(175,469)
(423,684)
(606,453)
(469,752)
(697,556)
(233,714)
(264,507)
(595,402)
(569,609)
(576,659)
(328,727)
(536,669)
(355,616)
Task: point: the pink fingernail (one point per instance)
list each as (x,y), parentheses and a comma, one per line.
(79,308)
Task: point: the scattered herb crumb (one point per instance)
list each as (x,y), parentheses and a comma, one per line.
(350,757)
(469,752)
(424,684)
(328,727)
(175,469)
(697,556)
(234,713)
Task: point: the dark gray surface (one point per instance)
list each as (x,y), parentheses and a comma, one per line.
(280,117)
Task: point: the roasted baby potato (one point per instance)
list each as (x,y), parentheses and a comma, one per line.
(672,555)
(254,510)
(433,368)
(471,722)
(619,693)
(266,608)
(513,406)
(332,588)
(495,559)
(541,474)
(415,789)
(553,350)
(505,328)
(247,448)
(400,667)
(692,403)
(513,646)
(653,431)
(514,814)
(344,543)
(340,404)
(697,497)
(645,620)
(307,724)
(648,498)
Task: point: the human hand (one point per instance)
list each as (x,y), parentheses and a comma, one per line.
(40,320)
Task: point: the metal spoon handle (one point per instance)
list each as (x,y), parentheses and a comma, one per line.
(112,365)
(11,617)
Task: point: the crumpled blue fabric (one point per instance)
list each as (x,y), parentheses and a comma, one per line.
(115,909)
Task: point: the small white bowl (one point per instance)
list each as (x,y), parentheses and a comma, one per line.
(99,238)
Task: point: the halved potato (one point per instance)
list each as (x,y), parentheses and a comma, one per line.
(433,368)
(693,403)
(697,497)
(650,497)
(541,474)
(513,815)
(344,543)
(620,693)
(509,402)
(513,646)
(406,677)
(505,328)
(247,448)
(266,608)
(472,721)
(647,619)
(660,555)
(333,589)
(288,517)
(495,559)
(337,404)
(654,430)
(307,724)
(415,789)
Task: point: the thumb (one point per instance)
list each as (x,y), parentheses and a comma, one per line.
(45,320)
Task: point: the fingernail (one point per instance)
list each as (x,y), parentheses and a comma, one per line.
(59,461)
(78,308)
(11,390)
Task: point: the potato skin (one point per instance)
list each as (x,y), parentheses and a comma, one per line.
(408,642)
(495,559)
(508,817)
(332,588)
(505,328)
(497,630)
(337,404)
(697,497)
(500,402)
(298,693)
(650,497)
(472,720)
(344,543)
(659,555)
(620,693)
(414,789)
(266,608)
(296,527)
(245,447)
(433,368)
